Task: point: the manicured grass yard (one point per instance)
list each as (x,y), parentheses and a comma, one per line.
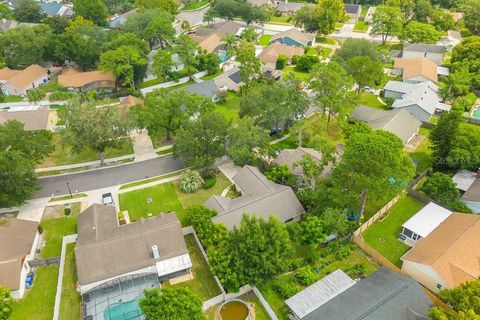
(264,39)
(360,26)
(423,153)
(281,20)
(322,39)
(53,231)
(61,113)
(382,235)
(230,107)
(70,303)
(12,99)
(167,197)
(277,302)
(195,5)
(370,100)
(203,284)
(63,154)
(38,302)
(304,76)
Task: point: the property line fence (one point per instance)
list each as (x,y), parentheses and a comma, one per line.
(376,216)
(169,84)
(58,296)
(43,262)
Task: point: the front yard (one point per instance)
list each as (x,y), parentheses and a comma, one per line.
(360,26)
(203,284)
(371,100)
(167,197)
(230,107)
(54,230)
(383,234)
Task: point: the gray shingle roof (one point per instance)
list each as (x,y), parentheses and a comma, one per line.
(105,250)
(422,47)
(260,197)
(352,8)
(473,193)
(205,89)
(383,295)
(399,122)
(31,119)
(295,34)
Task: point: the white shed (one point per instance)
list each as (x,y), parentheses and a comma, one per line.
(423,222)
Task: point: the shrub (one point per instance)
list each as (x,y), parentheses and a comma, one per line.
(295,59)
(190,181)
(67,211)
(60,96)
(285,288)
(306,276)
(306,62)
(282,62)
(209,182)
(356,271)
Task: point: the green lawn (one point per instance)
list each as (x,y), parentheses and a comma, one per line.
(203,284)
(325,40)
(423,153)
(71,299)
(382,235)
(195,5)
(360,26)
(159,138)
(211,76)
(68,197)
(289,143)
(38,302)
(138,183)
(304,76)
(277,302)
(12,99)
(370,100)
(162,198)
(63,155)
(230,107)
(281,20)
(264,39)
(260,313)
(167,197)
(53,231)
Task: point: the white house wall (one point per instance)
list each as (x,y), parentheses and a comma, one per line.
(424,274)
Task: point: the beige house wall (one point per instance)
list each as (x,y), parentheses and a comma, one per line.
(424,274)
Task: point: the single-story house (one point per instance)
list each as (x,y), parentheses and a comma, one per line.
(471,197)
(229,80)
(270,54)
(53,9)
(382,295)
(19,240)
(294,37)
(118,21)
(207,89)
(18,82)
(211,43)
(399,122)
(423,223)
(106,251)
(448,256)
(75,79)
(290,157)
(416,70)
(353,11)
(431,52)
(260,197)
(32,119)
(422,100)
(290,8)
(224,29)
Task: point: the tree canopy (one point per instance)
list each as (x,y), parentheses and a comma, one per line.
(28,11)
(127,63)
(6,303)
(94,10)
(322,17)
(387,21)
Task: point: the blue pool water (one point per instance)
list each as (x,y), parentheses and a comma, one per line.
(128,310)
(223,57)
(476,114)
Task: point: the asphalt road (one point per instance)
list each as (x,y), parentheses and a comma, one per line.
(103,178)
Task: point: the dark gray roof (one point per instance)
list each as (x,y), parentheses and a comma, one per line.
(260,197)
(229,28)
(399,122)
(383,295)
(105,250)
(205,89)
(236,77)
(473,193)
(352,8)
(422,47)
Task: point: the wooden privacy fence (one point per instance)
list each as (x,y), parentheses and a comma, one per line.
(376,216)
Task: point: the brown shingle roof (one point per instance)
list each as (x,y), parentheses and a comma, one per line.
(105,250)
(23,78)
(77,79)
(210,42)
(271,53)
(452,249)
(16,240)
(417,67)
(7,73)
(32,119)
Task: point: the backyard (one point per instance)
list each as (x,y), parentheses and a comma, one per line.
(167,197)
(249,297)
(230,107)
(423,153)
(330,261)
(264,39)
(71,299)
(383,234)
(38,302)
(203,284)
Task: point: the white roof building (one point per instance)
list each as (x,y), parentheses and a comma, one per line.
(319,293)
(424,221)
(464,179)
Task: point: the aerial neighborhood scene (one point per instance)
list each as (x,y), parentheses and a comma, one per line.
(239,159)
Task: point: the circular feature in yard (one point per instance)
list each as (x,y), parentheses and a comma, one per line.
(234,309)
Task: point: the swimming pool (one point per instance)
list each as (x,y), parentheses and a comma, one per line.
(224,57)
(476,113)
(128,310)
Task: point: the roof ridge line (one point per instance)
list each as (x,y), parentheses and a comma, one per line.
(382,302)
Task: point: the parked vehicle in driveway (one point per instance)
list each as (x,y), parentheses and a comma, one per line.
(107,199)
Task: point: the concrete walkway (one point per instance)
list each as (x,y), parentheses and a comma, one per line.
(142,145)
(229,169)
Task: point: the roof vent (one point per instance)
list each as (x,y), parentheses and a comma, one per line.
(156,253)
